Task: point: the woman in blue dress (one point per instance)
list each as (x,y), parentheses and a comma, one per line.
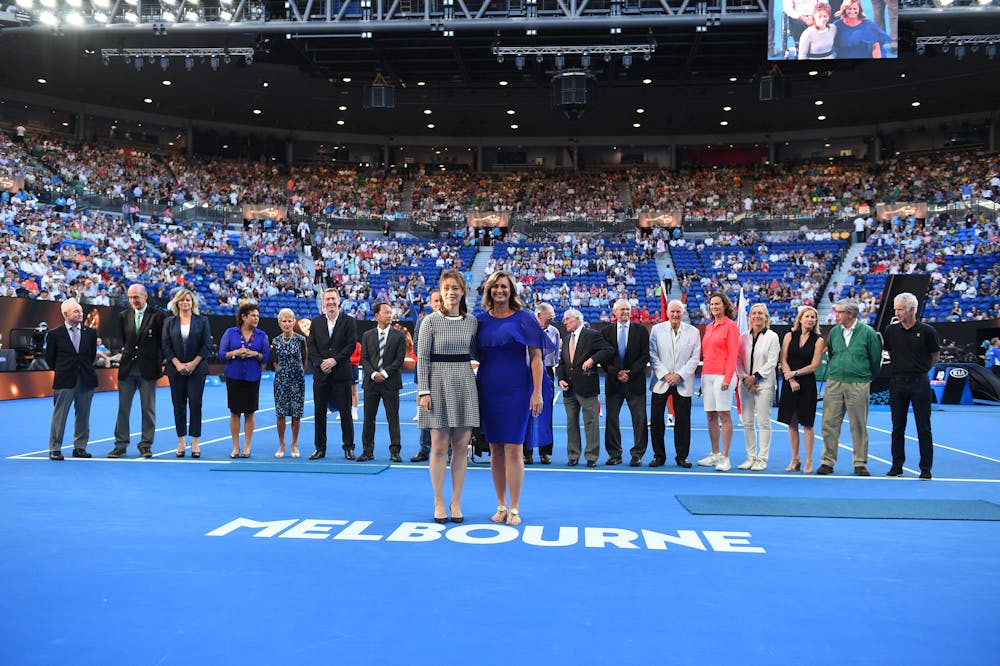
(510,344)
(857,37)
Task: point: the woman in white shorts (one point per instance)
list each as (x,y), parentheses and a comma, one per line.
(720,348)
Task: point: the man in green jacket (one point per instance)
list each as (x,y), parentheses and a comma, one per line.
(855,356)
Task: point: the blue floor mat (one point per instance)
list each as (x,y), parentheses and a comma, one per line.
(311,468)
(820,507)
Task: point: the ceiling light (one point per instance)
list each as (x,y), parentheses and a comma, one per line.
(430,125)
(340,122)
(732,79)
(510,112)
(257,112)
(502,83)
(147,100)
(636,125)
(265,84)
(421,83)
(427,112)
(820,117)
(818,102)
(166,82)
(515,126)
(813,72)
(342,108)
(647,81)
(640,110)
(42,81)
(48,18)
(724,122)
(914,104)
(727,108)
(346,79)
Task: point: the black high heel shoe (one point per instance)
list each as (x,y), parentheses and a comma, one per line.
(196,454)
(441,521)
(180,454)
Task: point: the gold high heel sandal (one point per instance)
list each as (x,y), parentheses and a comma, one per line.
(501,515)
(794,466)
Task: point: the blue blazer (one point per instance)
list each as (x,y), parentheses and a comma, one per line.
(199,343)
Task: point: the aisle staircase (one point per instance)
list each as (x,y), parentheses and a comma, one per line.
(841,276)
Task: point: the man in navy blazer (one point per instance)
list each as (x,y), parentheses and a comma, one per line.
(383,378)
(331,342)
(626,382)
(70,352)
(583,349)
(141,329)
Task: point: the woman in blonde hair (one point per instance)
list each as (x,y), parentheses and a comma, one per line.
(186,342)
(289,353)
(758,359)
(801,354)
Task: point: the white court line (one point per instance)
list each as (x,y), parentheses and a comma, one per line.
(943,446)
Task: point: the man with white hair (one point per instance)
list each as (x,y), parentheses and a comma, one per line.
(626,382)
(70,352)
(583,349)
(914,349)
(855,357)
(674,353)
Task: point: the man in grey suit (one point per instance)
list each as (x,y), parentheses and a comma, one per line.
(331,342)
(383,350)
(583,350)
(70,352)
(674,353)
(141,366)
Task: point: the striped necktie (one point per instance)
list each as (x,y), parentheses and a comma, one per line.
(381,346)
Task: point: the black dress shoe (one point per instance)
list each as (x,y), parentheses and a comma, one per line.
(81,453)
(656,462)
(545,458)
(895,471)
(529,459)
(420,457)
(394,457)
(591,463)
(349,454)
(118,453)
(635,462)
(824,469)
(317,454)
(145,453)
(925,475)
(573,463)
(613,460)
(56,455)
(861,470)
(364,457)
(682,462)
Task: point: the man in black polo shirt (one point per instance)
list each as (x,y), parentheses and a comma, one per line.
(913,348)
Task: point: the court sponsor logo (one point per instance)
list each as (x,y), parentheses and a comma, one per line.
(959,373)
(488,534)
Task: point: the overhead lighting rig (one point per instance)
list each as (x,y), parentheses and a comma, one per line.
(214,54)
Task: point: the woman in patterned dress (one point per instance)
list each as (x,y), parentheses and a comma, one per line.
(289,353)
(447,399)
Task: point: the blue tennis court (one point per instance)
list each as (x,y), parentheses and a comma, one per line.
(172,561)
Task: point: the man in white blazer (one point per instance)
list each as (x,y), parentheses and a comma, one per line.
(674,353)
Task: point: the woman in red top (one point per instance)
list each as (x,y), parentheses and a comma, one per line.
(720,348)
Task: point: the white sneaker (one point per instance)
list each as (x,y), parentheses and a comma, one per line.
(747,464)
(416,417)
(723,465)
(759,465)
(670,422)
(354,413)
(711,460)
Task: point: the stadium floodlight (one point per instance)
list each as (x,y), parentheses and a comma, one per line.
(48,18)
(131,16)
(74,18)
(26,4)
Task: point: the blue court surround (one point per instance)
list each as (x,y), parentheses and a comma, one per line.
(112,562)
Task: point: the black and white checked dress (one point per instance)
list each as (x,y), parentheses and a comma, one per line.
(451,385)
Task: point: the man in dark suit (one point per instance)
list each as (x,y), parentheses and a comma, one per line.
(383,350)
(140,327)
(332,339)
(70,352)
(583,349)
(626,382)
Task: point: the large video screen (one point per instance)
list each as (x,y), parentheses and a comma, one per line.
(841,29)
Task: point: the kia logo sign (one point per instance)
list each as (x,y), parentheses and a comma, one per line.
(958,373)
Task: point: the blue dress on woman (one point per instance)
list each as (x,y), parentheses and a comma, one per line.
(504,377)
